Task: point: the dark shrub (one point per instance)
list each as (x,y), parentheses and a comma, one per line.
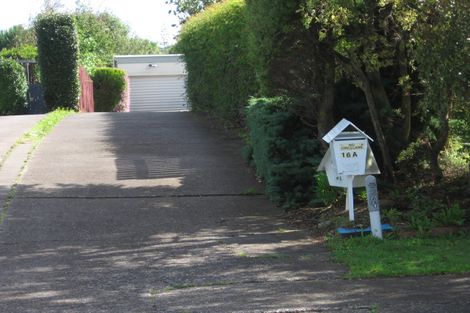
(283,150)
(58,54)
(108,87)
(280,47)
(13,87)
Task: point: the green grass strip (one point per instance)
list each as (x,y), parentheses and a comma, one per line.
(371,257)
(45,126)
(34,136)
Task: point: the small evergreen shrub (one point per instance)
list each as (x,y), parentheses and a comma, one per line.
(454,215)
(284,151)
(57,56)
(13,87)
(109,85)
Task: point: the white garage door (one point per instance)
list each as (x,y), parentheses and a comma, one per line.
(158,93)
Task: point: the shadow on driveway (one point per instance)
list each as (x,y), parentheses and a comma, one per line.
(149,213)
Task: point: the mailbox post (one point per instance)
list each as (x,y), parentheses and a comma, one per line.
(348,160)
(374,208)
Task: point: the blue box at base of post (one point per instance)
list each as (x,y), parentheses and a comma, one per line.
(356,232)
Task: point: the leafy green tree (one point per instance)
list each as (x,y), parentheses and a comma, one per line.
(392,50)
(16,36)
(137,45)
(24,52)
(186,8)
(364,44)
(102,35)
(99,35)
(440,34)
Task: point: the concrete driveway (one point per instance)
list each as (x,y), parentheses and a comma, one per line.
(155,212)
(12,127)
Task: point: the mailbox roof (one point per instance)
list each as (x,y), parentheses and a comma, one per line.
(338,129)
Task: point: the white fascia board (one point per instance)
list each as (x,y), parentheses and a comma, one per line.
(155,58)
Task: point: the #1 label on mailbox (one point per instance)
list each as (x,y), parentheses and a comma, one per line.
(350,156)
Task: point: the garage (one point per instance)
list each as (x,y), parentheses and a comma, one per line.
(157,82)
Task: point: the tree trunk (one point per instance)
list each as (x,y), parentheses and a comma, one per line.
(367,89)
(405,93)
(387,162)
(382,103)
(325,110)
(442,137)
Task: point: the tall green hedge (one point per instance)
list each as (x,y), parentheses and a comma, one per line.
(220,78)
(283,150)
(57,56)
(108,87)
(13,87)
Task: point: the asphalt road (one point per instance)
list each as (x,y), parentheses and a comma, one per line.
(155,212)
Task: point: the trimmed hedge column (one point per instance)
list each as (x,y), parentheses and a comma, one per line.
(58,55)
(13,87)
(109,85)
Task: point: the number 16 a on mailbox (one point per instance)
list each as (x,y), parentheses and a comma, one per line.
(350,154)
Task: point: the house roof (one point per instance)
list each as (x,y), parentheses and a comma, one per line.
(339,128)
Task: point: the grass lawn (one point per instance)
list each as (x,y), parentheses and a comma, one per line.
(370,257)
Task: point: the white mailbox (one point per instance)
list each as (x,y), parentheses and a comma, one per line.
(349,150)
(348,160)
(328,164)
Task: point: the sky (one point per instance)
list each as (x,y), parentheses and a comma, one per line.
(147,19)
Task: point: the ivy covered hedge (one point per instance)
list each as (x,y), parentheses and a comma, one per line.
(283,150)
(220,78)
(57,56)
(109,84)
(13,87)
